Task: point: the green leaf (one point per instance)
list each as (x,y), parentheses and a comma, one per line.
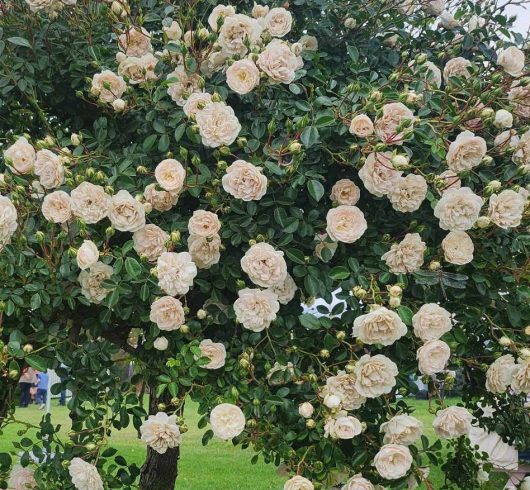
(37,362)
(132,266)
(316,189)
(310,136)
(19,41)
(338,273)
(163,143)
(309,321)
(406,314)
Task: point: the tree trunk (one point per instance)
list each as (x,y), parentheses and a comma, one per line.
(159,471)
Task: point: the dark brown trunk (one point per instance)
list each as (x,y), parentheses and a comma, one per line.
(159,471)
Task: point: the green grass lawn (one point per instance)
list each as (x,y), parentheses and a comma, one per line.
(218,465)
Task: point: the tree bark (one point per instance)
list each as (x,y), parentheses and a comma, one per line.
(159,472)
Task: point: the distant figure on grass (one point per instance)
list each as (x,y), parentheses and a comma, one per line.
(42,389)
(26,381)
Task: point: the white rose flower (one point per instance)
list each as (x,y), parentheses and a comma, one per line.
(126,213)
(236,32)
(466,152)
(215,351)
(408,193)
(259,10)
(87,255)
(108,86)
(521,145)
(344,191)
(182,85)
(84,475)
(375,375)
(219,12)
(521,376)
(345,224)
(452,422)
(285,290)
(278,22)
(227,421)
(119,105)
(242,76)
(503,119)
(458,248)
(499,374)
(381,326)
(475,22)
(432,357)
(91,282)
(402,429)
(393,461)
(22,479)
(378,175)
(173,31)
(357,482)
(161,432)
(20,157)
(161,343)
(448,21)
(394,115)
(434,7)
(150,241)
(506,209)
(256,309)
(218,125)
(343,385)
(309,43)
(167,312)
(512,60)
(204,251)
(204,223)
(90,202)
(279,62)
(525,485)
(244,181)
(458,209)
(456,67)
(519,96)
(342,427)
(49,169)
(306,410)
(176,272)
(431,322)
(135,42)
(56,207)
(362,126)
(332,401)
(405,256)
(170,175)
(138,69)
(264,265)
(196,102)
(298,483)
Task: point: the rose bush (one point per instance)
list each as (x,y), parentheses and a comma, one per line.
(179,181)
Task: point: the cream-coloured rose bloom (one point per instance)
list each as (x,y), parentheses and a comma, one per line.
(309,43)
(394,115)
(344,191)
(36,5)
(407,255)
(56,207)
(259,11)
(466,152)
(521,376)
(402,429)
(279,62)
(196,102)
(90,202)
(256,309)
(506,209)
(116,86)
(204,223)
(521,146)
(176,272)
(432,357)
(173,31)
(20,157)
(236,32)
(215,351)
(357,482)
(245,181)
(218,13)
(126,213)
(342,426)
(380,326)
(161,432)
(91,282)
(456,67)
(264,265)
(150,241)
(298,483)
(343,385)
(242,76)
(345,224)
(375,375)
(218,125)
(161,343)
(285,290)
(138,69)
(170,175)
(227,421)
(167,312)
(458,209)
(87,255)
(499,374)
(519,96)
(408,193)
(22,479)
(503,119)
(119,105)
(306,410)
(160,200)
(458,248)
(434,7)
(84,475)
(378,175)
(431,322)
(393,461)
(362,126)
(452,422)
(278,22)
(49,169)
(204,251)
(182,85)
(135,42)
(512,60)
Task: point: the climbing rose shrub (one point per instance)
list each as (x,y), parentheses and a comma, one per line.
(182,182)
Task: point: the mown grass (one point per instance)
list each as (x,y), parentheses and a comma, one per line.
(218,465)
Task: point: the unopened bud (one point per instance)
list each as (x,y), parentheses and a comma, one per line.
(27,348)
(394,301)
(76,139)
(310,423)
(175,236)
(505,341)
(201,314)
(395,290)
(483,221)
(359,292)
(324,353)
(434,265)
(184,329)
